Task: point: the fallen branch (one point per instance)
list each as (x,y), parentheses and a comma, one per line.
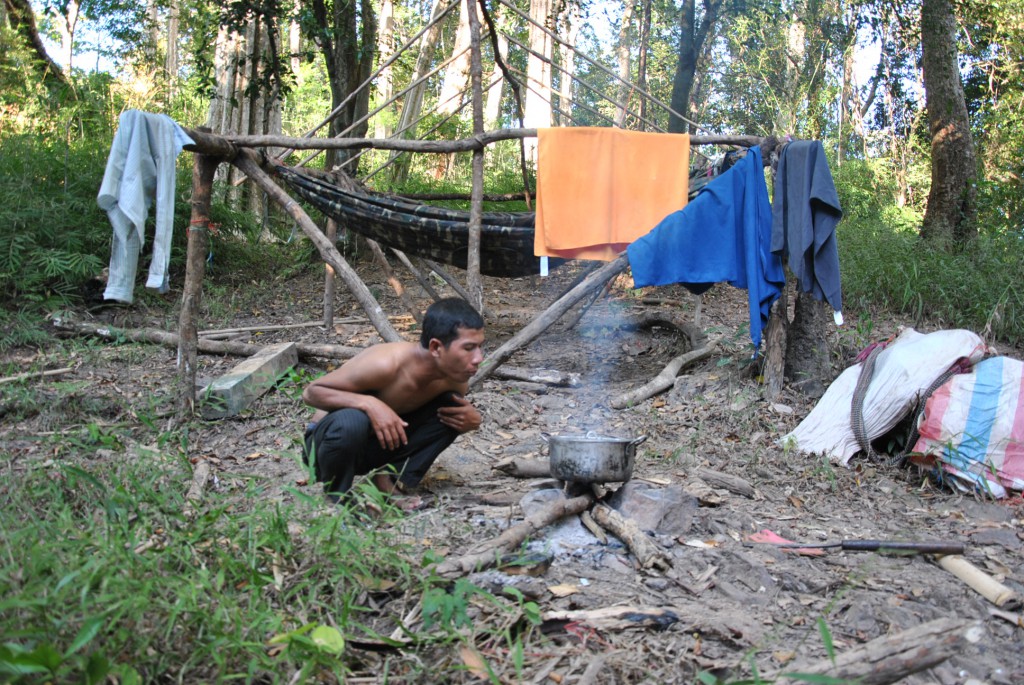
(643,548)
(305,350)
(733,484)
(491,551)
(520,467)
(664,380)
(195,491)
(891,658)
(278,327)
(167,339)
(543,321)
(545,376)
(35,374)
(616,618)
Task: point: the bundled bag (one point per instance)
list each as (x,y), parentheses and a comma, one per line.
(972,429)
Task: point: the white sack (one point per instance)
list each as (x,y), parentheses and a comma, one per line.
(903,371)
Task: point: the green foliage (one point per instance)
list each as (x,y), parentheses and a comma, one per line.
(886,264)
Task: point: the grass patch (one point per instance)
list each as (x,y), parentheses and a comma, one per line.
(102,575)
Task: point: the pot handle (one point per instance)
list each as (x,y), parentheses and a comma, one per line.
(638,441)
(546,437)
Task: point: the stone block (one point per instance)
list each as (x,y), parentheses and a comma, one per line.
(238,388)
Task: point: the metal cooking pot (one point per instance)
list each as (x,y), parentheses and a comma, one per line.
(592,458)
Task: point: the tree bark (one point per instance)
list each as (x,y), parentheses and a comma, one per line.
(23,20)
(413,102)
(538,73)
(203,170)
(808,366)
(346,34)
(692,37)
(623,55)
(476,206)
(456,75)
(951,212)
(385,48)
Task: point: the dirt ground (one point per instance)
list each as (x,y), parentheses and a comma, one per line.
(730,604)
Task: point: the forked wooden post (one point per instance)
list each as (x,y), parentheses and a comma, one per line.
(203,169)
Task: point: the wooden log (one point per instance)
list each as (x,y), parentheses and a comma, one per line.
(542,322)
(248,164)
(617,617)
(890,658)
(476,203)
(551,377)
(488,553)
(775,347)
(393,280)
(200,475)
(427,286)
(643,548)
(204,168)
(330,281)
(273,327)
(664,380)
(35,374)
(223,146)
(733,484)
(521,467)
(167,339)
(452,282)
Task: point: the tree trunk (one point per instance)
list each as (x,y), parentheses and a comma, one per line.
(570,20)
(385,48)
(66,26)
(496,81)
(456,74)
(691,40)
(23,21)
(413,102)
(951,212)
(808,363)
(538,74)
(796,37)
(348,35)
(641,62)
(171,56)
(625,69)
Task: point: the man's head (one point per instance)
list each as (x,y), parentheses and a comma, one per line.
(445,317)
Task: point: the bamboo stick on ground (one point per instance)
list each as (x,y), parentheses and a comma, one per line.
(35,374)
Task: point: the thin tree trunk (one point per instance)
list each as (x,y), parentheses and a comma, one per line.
(492,107)
(385,48)
(570,29)
(641,63)
(171,56)
(623,55)
(691,42)
(456,75)
(476,207)
(414,99)
(538,74)
(951,211)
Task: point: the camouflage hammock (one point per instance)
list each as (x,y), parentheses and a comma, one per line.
(442,235)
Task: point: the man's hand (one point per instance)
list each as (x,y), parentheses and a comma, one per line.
(389,426)
(463,417)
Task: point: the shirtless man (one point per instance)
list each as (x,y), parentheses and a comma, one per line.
(397,404)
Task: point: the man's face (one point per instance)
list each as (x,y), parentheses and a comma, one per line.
(462,358)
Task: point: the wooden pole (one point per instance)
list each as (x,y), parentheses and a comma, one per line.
(203,169)
(476,206)
(247,163)
(543,321)
(330,283)
(428,288)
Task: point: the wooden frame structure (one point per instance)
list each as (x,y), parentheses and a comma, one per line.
(211,150)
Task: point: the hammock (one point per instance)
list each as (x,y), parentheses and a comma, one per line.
(506,241)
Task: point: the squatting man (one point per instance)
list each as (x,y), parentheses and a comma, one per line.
(394,407)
